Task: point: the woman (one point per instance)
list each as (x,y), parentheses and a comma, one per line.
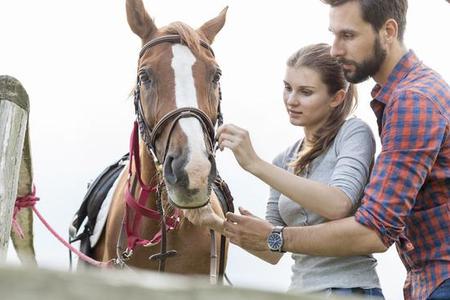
(320,177)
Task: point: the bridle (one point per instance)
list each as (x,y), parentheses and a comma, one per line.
(149,135)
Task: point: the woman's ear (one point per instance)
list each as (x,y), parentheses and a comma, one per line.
(337,98)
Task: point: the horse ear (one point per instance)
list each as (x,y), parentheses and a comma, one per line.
(213,26)
(139,20)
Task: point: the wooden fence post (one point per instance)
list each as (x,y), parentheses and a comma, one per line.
(14,109)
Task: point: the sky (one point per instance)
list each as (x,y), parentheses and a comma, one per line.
(77,61)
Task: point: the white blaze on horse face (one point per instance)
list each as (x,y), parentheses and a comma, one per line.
(198,165)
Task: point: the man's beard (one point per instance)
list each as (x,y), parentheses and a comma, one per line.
(368,67)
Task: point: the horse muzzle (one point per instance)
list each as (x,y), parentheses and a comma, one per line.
(188,180)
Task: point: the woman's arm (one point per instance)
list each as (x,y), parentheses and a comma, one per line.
(266,255)
(328,201)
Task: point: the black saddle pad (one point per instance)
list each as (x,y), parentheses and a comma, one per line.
(92,202)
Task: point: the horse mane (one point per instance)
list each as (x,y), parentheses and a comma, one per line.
(190,37)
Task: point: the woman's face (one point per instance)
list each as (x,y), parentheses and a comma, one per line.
(306,98)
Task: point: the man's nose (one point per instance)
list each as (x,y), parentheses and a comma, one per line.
(337,50)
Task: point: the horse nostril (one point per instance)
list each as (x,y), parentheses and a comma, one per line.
(169,173)
(174,170)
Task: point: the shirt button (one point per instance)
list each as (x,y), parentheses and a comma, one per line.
(409,246)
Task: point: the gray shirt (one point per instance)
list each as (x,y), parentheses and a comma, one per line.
(345,165)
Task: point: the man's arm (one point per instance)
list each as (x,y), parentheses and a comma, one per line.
(411,142)
(344,237)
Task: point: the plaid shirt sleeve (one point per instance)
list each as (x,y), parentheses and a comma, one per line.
(413,130)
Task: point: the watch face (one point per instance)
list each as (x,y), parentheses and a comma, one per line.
(274,241)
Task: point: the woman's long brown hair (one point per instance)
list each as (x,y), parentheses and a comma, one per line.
(317,57)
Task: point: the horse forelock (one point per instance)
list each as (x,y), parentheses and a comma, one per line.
(190,37)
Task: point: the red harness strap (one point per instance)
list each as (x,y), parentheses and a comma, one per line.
(132,225)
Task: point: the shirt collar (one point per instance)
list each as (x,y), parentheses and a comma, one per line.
(401,69)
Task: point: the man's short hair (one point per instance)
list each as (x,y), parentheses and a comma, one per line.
(377,12)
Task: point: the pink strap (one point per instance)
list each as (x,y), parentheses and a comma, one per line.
(132,225)
(150,213)
(30,201)
(134,153)
(81,255)
(142,210)
(23,202)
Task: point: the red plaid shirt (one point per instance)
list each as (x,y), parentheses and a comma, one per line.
(407,200)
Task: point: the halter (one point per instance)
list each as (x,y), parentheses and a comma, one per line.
(149,135)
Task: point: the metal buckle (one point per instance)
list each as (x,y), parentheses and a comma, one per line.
(127,254)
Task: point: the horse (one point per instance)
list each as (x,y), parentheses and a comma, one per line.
(172,164)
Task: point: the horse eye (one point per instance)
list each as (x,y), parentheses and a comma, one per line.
(144,76)
(216,77)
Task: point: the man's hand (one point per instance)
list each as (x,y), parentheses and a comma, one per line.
(247,231)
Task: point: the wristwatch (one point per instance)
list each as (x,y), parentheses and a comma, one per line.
(275,239)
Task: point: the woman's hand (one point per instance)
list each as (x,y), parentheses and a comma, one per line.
(238,140)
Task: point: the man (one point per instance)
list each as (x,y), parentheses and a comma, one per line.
(407,200)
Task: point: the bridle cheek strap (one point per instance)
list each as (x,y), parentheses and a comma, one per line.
(136,209)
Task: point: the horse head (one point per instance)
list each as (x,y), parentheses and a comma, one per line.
(177,100)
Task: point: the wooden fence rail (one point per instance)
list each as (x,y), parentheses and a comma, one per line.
(39,284)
